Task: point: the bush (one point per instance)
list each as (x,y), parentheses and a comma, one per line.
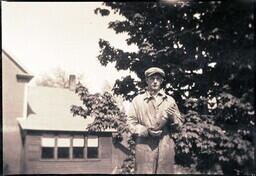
(211,149)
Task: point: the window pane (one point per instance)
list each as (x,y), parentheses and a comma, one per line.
(78,152)
(63,152)
(92,141)
(47,142)
(78,142)
(92,152)
(63,142)
(47,152)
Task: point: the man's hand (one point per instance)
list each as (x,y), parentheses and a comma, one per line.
(171,111)
(159,125)
(155,133)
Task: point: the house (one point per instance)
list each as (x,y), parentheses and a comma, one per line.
(14,89)
(51,141)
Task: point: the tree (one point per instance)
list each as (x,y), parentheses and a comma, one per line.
(58,78)
(206,50)
(107,114)
(103,108)
(107,87)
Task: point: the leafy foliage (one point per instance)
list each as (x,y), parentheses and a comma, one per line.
(185,39)
(103,108)
(107,115)
(128,166)
(211,149)
(206,50)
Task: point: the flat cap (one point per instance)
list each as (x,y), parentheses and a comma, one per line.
(153,70)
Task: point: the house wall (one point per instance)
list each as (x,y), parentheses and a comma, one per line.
(35,165)
(13,103)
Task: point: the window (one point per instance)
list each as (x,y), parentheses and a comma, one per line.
(70,147)
(63,145)
(92,147)
(47,146)
(78,148)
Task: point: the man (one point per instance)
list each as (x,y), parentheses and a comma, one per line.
(152,117)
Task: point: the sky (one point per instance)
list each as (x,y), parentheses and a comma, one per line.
(44,36)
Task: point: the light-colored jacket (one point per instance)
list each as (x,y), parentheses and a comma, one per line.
(153,154)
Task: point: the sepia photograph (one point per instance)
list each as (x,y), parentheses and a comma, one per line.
(141,87)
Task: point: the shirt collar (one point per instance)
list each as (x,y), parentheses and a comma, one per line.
(160,93)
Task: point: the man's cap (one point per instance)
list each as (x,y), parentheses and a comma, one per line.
(153,70)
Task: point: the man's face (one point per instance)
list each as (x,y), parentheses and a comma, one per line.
(154,82)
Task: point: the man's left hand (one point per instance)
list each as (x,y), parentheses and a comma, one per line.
(171,111)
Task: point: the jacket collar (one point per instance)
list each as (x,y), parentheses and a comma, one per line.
(159,93)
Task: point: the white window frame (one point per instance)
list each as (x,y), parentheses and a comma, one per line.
(63,142)
(92,142)
(44,143)
(78,142)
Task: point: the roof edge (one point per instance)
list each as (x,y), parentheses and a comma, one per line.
(105,131)
(26,77)
(17,62)
(22,119)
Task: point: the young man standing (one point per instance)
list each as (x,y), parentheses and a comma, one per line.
(152,118)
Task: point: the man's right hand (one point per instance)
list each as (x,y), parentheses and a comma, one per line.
(155,133)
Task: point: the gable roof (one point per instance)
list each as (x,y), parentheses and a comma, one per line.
(49,109)
(16,62)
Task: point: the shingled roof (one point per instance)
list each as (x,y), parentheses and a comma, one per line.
(49,109)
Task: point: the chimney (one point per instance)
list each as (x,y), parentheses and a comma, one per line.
(72,82)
